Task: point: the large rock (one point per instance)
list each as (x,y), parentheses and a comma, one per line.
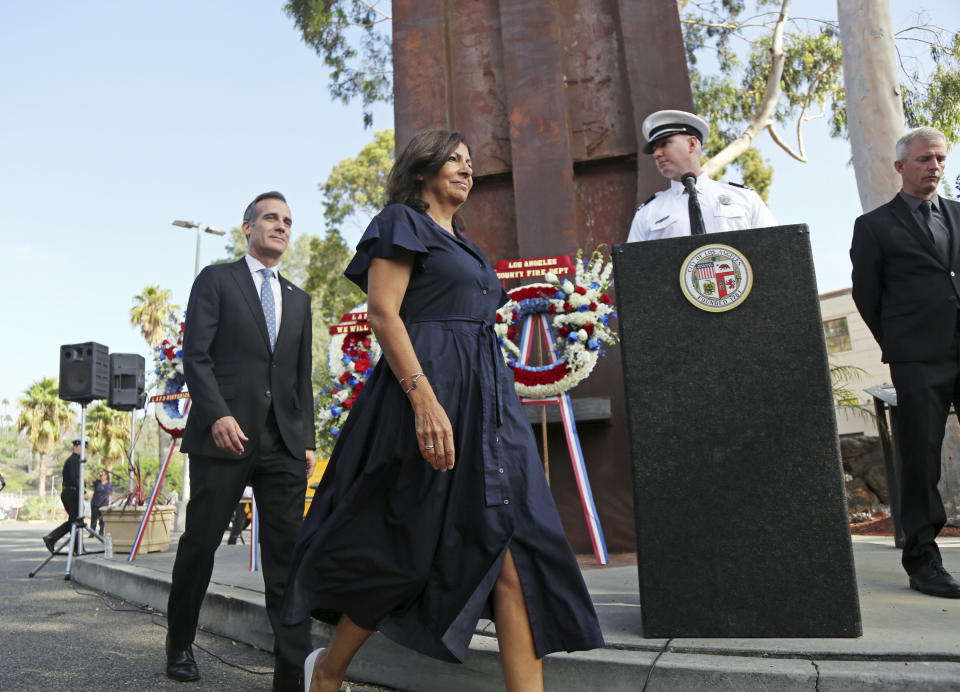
(950,472)
(859,497)
(863,462)
(863,459)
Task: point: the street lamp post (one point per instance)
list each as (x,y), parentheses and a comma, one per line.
(201,229)
(185,495)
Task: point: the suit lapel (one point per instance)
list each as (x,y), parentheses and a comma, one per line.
(289,310)
(248,290)
(902,212)
(951,212)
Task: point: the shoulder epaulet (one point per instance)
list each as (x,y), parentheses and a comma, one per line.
(652,197)
(745,187)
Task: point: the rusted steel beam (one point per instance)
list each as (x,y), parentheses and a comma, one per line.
(478,84)
(420,74)
(550,95)
(596,90)
(656,67)
(546,202)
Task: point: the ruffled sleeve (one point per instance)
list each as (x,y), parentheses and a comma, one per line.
(391,229)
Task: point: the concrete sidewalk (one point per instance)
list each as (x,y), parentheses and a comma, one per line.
(910,641)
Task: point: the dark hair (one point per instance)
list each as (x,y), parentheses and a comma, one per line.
(424,155)
(250,215)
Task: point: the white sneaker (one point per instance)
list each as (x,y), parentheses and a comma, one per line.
(308,665)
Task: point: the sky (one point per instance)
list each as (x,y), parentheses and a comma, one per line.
(119,117)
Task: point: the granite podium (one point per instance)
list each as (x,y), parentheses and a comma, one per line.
(742,527)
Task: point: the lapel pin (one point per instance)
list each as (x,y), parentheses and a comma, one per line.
(289,289)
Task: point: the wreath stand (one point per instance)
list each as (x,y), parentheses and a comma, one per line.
(175,436)
(536,327)
(161,473)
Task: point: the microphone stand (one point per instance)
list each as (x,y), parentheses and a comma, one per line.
(697,227)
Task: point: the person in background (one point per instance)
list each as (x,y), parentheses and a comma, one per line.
(102,494)
(69,496)
(675,139)
(906,287)
(240,520)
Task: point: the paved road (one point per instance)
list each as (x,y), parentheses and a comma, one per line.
(57,635)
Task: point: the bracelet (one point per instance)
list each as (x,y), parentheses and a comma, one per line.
(413,381)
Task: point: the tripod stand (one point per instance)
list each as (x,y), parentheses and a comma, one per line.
(74,542)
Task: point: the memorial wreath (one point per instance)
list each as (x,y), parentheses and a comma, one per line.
(171,413)
(351,356)
(578,313)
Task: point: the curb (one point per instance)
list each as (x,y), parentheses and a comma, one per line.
(239,614)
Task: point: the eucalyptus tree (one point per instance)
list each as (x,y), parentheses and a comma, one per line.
(754,68)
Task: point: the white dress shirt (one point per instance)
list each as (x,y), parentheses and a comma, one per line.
(255,266)
(725,207)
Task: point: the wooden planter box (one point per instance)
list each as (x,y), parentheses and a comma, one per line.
(122,525)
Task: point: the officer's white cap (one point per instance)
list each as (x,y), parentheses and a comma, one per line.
(665,123)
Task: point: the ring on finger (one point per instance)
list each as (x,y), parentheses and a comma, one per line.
(428,446)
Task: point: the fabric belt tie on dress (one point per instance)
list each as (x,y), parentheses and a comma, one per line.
(494,352)
(495,483)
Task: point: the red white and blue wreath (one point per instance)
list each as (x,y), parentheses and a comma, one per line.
(579,313)
(168,357)
(350,360)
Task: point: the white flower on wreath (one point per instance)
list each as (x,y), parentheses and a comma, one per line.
(580,311)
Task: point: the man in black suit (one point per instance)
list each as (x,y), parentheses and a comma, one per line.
(246,357)
(906,287)
(69,496)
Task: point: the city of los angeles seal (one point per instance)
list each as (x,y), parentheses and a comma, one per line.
(716,278)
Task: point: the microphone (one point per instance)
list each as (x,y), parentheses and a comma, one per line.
(689,181)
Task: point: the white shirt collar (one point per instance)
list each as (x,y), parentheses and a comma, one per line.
(677,188)
(256,265)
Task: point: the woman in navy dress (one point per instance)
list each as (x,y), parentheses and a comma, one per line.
(434,511)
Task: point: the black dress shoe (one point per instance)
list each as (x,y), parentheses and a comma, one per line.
(287,678)
(933,580)
(180,664)
(50,543)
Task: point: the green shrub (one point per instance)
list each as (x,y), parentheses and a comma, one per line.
(39,508)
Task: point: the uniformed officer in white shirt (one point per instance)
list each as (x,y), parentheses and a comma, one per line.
(675,139)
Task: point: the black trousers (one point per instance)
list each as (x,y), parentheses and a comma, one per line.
(69,498)
(96,517)
(925,390)
(279,485)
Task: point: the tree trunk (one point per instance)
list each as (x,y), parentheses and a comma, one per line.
(42,475)
(874,105)
(771,97)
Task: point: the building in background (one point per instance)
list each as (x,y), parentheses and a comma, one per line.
(849,342)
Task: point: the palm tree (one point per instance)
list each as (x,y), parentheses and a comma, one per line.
(153,314)
(44,417)
(109,434)
(5,418)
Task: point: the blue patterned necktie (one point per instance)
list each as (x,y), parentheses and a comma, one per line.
(269,307)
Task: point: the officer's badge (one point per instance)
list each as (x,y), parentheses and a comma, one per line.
(725,199)
(716,278)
